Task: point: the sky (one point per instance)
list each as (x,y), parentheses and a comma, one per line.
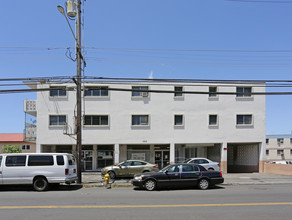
(189,39)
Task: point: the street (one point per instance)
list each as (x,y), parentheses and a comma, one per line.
(223,202)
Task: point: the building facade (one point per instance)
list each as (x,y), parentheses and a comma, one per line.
(279,147)
(161,128)
(17,139)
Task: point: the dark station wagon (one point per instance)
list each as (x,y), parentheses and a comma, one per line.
(179,175)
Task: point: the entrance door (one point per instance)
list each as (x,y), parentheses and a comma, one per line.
(162,158)
(86,159)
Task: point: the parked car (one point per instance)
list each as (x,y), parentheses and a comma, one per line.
(281,162)
(129,168)
(38,169)
(179,175)
(208,164)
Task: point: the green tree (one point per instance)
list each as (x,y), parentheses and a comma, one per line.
(12,149)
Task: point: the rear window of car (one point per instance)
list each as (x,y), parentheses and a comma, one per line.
(15,161)
(40,160)
(71,160)
(60,160)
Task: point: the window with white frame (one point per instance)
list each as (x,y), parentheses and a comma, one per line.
(213,120)
(140,120)
(244,120)
(178,91)
(178,120)
(26,147)
(58,91)
(58,120)
(140,91)
(98,91)
(96,120)
(243,92)
(212,92)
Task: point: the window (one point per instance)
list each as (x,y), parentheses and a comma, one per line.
(267,152)
(174,168)
(71,160)
(280,140)
(213,120)
(280,152)
(138,163)
(40,160)
(57,91)
(187,168)
(178,91)
(140,91)
(212,92)
(290,154)
(57,120)
(0,160)
(99,120)
(140,120)
(178,120)
(15,161)
(244,120)
(60,160)
(267,141)
(25,147)
(101,91)
(290,140)
(243,92)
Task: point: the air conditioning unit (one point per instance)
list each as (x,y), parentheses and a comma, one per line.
(144,94)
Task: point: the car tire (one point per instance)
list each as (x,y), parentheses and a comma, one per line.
(204,184)
(150,185)
(112,174)
(40,184)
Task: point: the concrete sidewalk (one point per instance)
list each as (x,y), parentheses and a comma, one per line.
(94,179)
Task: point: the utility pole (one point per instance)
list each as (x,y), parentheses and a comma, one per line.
(78,81)
(78,92)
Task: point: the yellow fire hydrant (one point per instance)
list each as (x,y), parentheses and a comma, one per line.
(106,181)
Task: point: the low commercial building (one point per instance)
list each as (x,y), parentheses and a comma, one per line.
(17,139)
(123,120)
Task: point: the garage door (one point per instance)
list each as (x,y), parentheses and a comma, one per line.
(242,158)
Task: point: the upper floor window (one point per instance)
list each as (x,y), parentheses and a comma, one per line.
(178,120)
(243,92)
(212,92)
(280,152)
(101,91)
(140,120)
(244,120)
(57,91)
(280,140)
(178,91)
(267,152)
(98,120)
(213,120)
(58,120)
(267,141)
(140,91)
(290,140)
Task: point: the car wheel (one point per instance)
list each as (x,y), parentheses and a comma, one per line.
(150,185)
(204,184)
(40,184)
(112,174)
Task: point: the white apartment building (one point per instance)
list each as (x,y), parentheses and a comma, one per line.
(161,128)
(279,147)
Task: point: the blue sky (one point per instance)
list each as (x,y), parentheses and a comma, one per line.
(207,27)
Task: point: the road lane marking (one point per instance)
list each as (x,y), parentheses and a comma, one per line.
(144,206)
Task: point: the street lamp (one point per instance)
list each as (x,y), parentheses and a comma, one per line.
(78,76)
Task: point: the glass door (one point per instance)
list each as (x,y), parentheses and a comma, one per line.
(86,159)
(162,158)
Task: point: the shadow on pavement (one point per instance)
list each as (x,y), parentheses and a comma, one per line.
(29,188)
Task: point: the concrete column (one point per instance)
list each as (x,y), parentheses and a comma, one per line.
(117,154)
(223,164)
(262,159)
(172,153)
(38,148)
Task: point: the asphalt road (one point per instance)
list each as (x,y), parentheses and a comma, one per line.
(268,202)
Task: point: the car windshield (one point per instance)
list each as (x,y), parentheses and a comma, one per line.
(188,160)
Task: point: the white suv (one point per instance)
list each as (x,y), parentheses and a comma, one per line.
(208,164)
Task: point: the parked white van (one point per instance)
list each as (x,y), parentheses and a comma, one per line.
(38,169)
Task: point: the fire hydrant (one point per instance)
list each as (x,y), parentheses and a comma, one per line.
(106,181)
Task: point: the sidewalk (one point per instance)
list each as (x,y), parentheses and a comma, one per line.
(94,179)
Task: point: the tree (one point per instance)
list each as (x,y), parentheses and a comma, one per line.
(12,149)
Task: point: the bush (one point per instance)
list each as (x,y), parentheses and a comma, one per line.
(12,149)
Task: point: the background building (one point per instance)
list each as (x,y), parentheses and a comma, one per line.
(17,139)
(279,147)
(161,128)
